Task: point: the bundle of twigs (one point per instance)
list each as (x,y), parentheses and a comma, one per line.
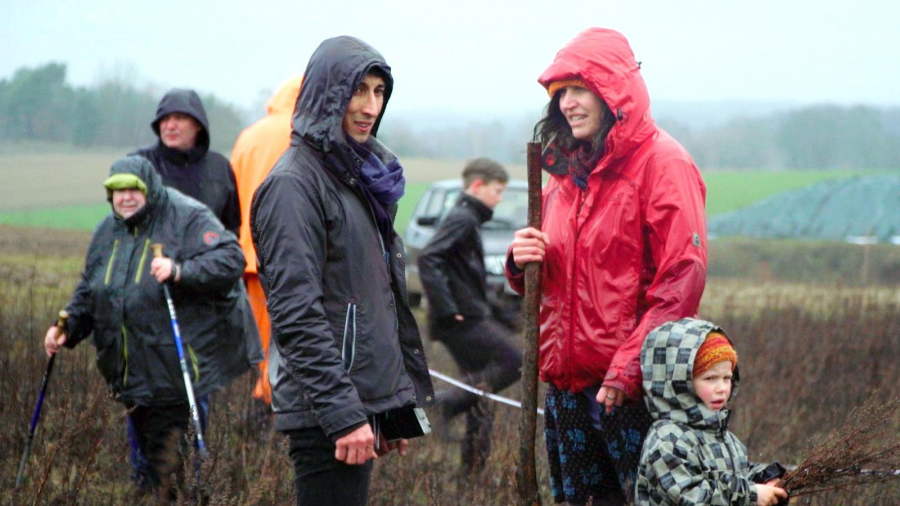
(857,454)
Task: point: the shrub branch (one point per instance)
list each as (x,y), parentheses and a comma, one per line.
(857,454)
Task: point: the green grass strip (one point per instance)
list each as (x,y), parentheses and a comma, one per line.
(70,218)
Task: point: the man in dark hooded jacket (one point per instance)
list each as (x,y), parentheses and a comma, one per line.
(349,354)
(183,158)
(120,300)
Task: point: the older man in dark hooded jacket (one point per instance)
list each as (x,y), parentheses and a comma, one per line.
(183,158)
(349,351)
(120,301)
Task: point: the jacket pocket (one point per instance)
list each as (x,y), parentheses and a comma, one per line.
(111,354)
(195,362)
(348,347)
(164,375)
(124,356)
(112,260)
(140,269)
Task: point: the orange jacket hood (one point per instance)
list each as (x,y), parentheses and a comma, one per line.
(283,101)
(257,149)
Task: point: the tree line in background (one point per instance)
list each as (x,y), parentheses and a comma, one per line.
(38,104)
(817,137)
(813,137)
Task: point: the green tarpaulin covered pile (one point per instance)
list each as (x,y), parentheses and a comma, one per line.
(860,209)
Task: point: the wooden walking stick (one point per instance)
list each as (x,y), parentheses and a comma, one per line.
(526,474)
(61,323)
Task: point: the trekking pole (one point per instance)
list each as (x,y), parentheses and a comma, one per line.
(526,474)
(195,414)
(61,324)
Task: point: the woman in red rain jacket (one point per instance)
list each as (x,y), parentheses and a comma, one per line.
(623,249)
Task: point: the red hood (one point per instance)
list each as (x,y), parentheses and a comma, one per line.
(614,75)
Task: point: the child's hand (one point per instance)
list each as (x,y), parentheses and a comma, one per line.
(767,495)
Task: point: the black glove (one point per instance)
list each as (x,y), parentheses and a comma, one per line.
(771,472)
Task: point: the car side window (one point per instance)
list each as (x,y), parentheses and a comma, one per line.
(435,205)
(449,201)
(422,204)
(513,209)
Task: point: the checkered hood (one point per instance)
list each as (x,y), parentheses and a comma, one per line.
(667,364)
(689,457)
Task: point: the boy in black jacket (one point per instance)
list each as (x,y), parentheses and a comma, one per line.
(460,315)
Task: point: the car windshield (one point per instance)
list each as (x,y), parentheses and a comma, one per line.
(510,214)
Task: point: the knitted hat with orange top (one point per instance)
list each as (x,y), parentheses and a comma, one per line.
(716,348)
(555,86)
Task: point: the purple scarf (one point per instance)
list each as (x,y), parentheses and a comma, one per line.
(382,183)
(385,182)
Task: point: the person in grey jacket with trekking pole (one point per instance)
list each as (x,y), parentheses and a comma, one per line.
(349,355)
(120,300)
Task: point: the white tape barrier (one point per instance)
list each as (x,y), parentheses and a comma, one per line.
(476,391)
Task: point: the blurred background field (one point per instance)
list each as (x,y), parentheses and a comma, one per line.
(59,186)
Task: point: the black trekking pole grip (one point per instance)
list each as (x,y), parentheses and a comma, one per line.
(61,324)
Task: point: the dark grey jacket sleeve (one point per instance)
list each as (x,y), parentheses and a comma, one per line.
(211,259)
(231,215)
(80,323)
(289,231)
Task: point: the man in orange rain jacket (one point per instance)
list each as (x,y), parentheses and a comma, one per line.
(255,151)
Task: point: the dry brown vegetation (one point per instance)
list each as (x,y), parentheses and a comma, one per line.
(862,452)
(810,354)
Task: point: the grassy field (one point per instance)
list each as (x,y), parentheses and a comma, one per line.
(54,186)
(48,176)
(727,191)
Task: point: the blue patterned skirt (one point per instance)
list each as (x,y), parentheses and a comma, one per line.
(593,457)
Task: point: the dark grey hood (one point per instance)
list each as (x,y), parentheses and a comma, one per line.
(185,102)
(142,168)
(334,71)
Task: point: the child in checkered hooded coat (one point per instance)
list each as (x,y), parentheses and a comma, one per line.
(690,457)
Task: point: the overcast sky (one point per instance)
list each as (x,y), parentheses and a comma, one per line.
(471,56)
